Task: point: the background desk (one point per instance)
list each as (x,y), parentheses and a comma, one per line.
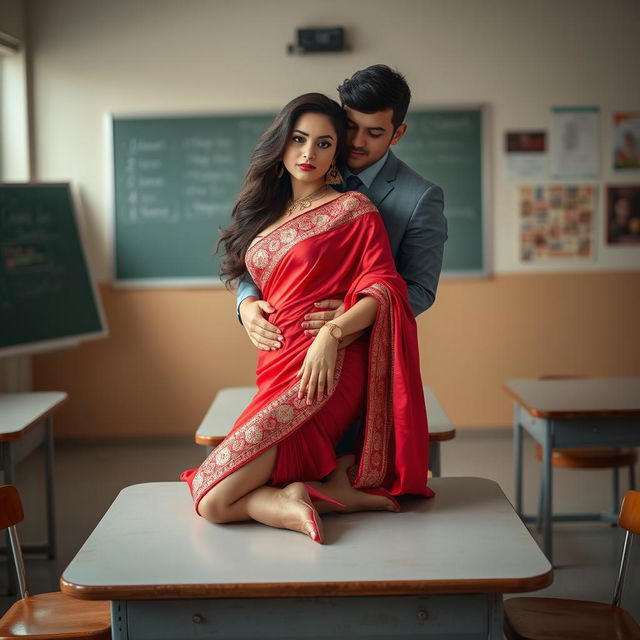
(438,568)
(230,403)
(571,413)
(26,424)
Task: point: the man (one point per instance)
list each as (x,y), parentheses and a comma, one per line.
(375,101)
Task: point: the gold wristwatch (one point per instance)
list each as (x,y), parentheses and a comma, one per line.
(333,327)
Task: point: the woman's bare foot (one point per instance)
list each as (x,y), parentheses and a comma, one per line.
(338,486)
(298,513)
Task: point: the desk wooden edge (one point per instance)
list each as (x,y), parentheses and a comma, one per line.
(214,441)
(561,415)
(312,590)
(15,435)
(208,441)
(442,436)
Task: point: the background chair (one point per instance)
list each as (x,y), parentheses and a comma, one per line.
(614,458)
(48,615)
(558,619)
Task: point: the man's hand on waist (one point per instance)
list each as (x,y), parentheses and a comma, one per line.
(261,332)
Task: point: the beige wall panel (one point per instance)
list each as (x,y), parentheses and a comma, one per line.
(170,351)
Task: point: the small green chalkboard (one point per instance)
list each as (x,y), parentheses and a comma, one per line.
(47,296)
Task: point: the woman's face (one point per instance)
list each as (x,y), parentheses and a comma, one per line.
(311,147)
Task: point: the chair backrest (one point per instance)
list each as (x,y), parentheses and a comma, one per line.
(11,512)
(629,519)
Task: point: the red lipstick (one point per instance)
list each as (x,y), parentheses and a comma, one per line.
(306,167)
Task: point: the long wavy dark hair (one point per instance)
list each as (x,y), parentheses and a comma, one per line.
(264,195)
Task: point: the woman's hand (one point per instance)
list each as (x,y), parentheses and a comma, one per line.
(318,368)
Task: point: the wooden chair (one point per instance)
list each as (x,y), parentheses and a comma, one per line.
(558,619)
(614,458)
(602,458)
(46,616)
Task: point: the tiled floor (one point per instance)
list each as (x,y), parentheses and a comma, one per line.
(89,476)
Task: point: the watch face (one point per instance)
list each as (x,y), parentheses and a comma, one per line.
(336,328)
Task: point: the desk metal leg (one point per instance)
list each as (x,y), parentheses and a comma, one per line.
(547,488)
(434,459)
(9,478)
(51,518)
(7,463)
(496,616)
(517,444)
(615,498)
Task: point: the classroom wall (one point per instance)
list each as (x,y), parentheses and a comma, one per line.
(169,351)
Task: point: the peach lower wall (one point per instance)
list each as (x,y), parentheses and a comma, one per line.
(169,352)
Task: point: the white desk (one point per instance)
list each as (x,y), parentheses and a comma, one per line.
(230,403)
(438,569)
(25,424)
(565,413)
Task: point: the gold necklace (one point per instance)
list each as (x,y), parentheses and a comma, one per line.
(306,201)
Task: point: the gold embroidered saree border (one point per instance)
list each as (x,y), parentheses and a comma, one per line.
(280,418)
(264,256)
(374,460)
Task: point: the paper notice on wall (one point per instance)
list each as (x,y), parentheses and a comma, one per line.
(575,142)
(526,154)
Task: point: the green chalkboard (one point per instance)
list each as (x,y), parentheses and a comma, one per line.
(47,297)
(176,179)
(446,147)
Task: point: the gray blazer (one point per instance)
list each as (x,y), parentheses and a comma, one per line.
(412,212)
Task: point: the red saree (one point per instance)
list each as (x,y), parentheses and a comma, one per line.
(337,250)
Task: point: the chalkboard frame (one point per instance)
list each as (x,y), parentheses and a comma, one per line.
(485,270)
(195,282)
(42,346)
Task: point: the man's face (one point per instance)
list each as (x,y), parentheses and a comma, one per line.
(369,135)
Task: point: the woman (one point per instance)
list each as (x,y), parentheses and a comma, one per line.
(301,241)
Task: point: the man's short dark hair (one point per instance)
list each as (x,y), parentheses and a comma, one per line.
(377,88)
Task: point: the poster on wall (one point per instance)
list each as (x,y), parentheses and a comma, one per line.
(623,214)
(626,140)
(526,154)
(575,142)
(556,222)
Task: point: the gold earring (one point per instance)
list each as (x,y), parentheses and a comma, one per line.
(333,176)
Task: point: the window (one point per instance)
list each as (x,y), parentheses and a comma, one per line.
(14,138)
